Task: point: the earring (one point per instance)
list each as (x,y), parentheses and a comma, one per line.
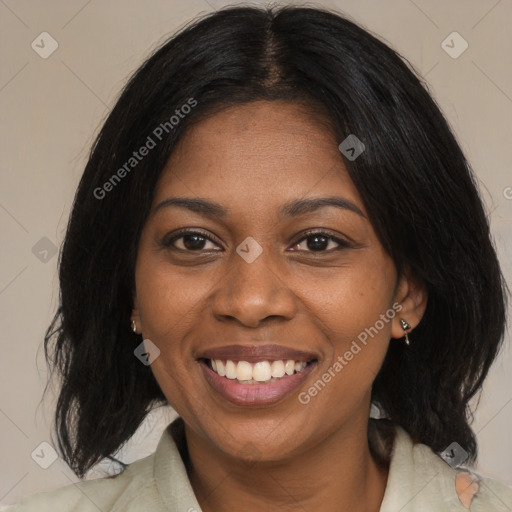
(134,327)
(405,327)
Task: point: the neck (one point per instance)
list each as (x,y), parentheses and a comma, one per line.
(337,474)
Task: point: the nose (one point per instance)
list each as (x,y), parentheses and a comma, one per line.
(253,292)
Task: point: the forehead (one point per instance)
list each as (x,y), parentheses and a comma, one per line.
(265,152)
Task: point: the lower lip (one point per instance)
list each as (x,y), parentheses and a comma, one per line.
(255,394)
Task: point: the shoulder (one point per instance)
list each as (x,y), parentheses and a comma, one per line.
(491,495)
(420,480)
(157,483)
(110,493)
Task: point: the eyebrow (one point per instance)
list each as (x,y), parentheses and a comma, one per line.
(291,209)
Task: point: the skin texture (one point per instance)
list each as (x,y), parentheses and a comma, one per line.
(252,159)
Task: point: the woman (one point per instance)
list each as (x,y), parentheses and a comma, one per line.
(271,235)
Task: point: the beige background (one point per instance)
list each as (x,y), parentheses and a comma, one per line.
(51,108)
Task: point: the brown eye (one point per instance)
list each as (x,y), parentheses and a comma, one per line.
(320,241)
(189,241)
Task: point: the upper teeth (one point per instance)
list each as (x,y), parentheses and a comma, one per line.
(260,371)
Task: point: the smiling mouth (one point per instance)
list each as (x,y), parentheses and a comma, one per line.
(259,372)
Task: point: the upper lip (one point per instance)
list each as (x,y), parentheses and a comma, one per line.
(255,353)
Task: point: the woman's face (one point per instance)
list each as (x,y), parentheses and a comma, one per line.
(251,285)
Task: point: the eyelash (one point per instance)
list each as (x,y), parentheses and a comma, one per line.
(343,244)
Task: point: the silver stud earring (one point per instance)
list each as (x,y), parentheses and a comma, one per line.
(405,327)
(134,327)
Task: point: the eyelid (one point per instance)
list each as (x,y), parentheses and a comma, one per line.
(342,241)
(168,241)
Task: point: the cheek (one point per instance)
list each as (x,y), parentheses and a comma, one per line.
(350,300)
(167,313)
(168,308)
(353,310)
(168,299)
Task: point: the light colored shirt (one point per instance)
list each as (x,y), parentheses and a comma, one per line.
(418,481)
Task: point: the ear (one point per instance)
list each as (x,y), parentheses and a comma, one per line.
(135,316)
(412,296)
